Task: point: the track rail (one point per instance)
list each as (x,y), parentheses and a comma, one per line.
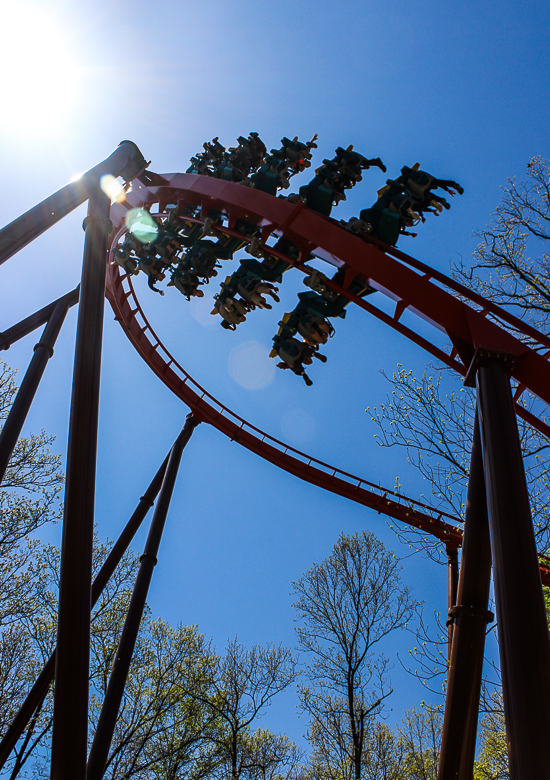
(468,329)
(408,282)
(129,313)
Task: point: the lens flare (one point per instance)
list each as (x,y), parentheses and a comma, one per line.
(112,188)
(142,225)
(298,427)
(250,366)
(200,311)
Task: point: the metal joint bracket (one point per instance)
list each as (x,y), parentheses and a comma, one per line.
(151,557)
(42,345)
(103,221)
(482,614)
(483,355)
(193,419)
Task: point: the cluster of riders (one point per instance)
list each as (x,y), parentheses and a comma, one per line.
(189,249)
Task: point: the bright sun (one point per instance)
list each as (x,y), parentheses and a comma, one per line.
(39,72)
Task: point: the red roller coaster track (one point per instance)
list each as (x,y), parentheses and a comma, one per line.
(487,345)
(402,278)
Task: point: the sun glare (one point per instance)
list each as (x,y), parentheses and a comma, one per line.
(113,188)
(39,72)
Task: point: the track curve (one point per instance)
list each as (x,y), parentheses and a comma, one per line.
(274,215)
(206,408)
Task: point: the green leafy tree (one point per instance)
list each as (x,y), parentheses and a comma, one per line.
(160,732)
(383,755)
(411,752)
(492,759)
(420,742)
(37,629)
(29,499)
(240,685)
(271,757)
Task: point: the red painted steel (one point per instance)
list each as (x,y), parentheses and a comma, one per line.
(401,277)
(206,408)
(467,328)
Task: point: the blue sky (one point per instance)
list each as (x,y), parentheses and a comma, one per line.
(461,88)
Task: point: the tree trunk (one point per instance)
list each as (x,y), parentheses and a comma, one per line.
(234,773)
(358,746)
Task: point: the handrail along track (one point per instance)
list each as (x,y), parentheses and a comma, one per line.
(210,193)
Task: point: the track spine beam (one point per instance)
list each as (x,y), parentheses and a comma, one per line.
(126,161)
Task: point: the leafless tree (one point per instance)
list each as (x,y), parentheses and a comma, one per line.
(505,270)
(432,419)
(346,606)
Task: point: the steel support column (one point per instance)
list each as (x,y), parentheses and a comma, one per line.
(43,351)
(452,586)
(126,161)
(470,617)
(70,720)
(43,681)
(115,690)
(41,317)
(522,629)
